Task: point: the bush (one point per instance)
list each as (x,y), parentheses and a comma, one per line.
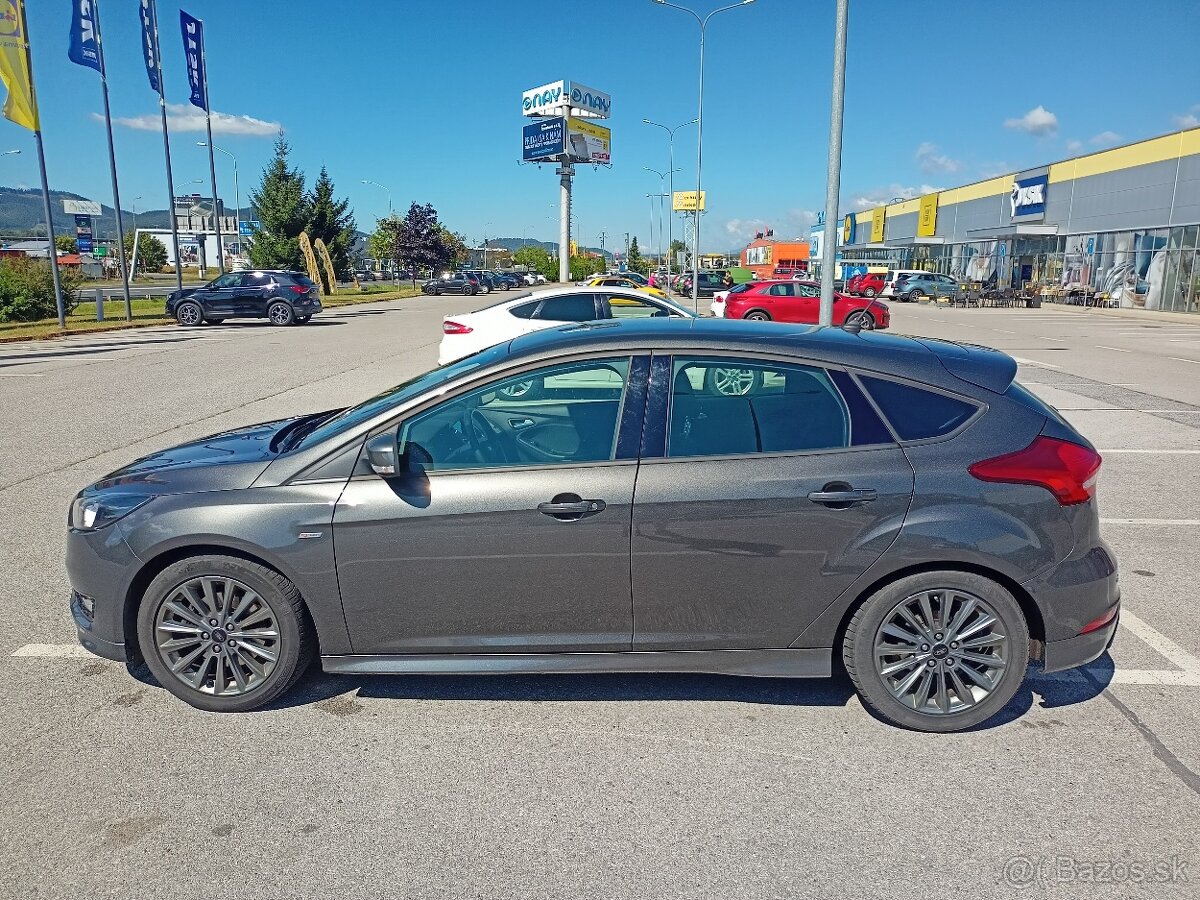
(27,289)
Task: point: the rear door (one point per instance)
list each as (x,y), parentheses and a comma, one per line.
(755,509)
(252,294)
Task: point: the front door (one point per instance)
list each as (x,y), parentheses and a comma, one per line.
(220,295)
(510,530)
(762,506)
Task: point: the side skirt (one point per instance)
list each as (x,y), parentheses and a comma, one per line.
(789,663)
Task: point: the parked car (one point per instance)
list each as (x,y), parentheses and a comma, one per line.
(926,284)
(636,277)
(790,272)
(458,283)
(284,297)
(622,281)
(468,333)
(532,278)
(710,283)
(894,280)
(366,275)
(507,280)
(798,301)
(898,504)
(866,284)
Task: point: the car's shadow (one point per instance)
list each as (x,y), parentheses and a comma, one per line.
(1048,691)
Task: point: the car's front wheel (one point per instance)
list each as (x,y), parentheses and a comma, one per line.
(223,633)
(862,319)
(938,651)
(914,295)
(189,313)
(281,313)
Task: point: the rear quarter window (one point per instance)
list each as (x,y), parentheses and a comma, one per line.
(914,413)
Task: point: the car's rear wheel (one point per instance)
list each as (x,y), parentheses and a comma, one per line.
(189,313)
(869,292)
(729,382)
(281,313)
(758,315)
(224,634)
(470,291)
(937,651)
(862,318)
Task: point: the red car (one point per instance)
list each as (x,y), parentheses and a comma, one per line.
(869,284)
(798,301)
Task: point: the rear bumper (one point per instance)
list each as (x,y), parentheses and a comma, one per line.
(1076,593)
(1081,649)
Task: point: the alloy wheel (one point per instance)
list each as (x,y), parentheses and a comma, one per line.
(941,651)
(863,319)
(280,314)
(189,314)
(733,382)
(217,635)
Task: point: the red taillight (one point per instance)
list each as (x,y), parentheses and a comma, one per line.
(1099,623)
(1067,470)
(298,289)
(449,327)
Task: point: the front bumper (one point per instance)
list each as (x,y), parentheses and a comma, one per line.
(100,566)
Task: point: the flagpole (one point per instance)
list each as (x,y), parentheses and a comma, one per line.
(112,164)
(162,107)
(212,163)
(52,251)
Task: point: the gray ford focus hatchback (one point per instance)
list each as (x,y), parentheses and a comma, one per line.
(629,495)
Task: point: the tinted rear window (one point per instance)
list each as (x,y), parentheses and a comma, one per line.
(916,414)
(525,310)
(302,280)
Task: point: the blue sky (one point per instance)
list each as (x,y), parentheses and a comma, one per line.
(425,98)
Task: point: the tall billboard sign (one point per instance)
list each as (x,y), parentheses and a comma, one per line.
(686,201)
(83,234)
(544,139)
(557,97)
(588,142)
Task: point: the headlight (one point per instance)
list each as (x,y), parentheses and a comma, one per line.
(90,513)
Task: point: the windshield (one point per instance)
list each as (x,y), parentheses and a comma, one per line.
(394,396)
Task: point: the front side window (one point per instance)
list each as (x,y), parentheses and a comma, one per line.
(567,413)
(721,407)
(225,281)
(571,308)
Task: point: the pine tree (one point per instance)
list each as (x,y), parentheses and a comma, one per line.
(283,210)
(332,221)
(634,260)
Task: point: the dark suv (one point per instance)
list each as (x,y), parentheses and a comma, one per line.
(286,298)
(710,283)
(458,283)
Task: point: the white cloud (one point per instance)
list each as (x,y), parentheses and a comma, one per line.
(185,117)
(1190,119)
(883,195)
(802,217)
(931,161)
(745,229)
(1104,138)
(1074,146)
(994,170)
(1038,121)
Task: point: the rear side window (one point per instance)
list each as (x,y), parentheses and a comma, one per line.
(525,310)
(303,280)
(915,413)
(571,308)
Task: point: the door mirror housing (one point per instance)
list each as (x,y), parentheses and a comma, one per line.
(383,454)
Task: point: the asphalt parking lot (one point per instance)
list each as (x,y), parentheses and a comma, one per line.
(566,786)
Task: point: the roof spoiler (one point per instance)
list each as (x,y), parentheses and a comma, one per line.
(982,366)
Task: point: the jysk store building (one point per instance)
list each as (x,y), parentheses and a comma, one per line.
(1125,222)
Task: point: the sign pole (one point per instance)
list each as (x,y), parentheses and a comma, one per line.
(112,165)
(565,171)
(212,163)
(162,108)
(833,182)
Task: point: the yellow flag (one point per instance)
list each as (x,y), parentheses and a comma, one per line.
(20,107)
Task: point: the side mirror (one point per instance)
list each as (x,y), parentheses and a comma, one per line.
(383,454)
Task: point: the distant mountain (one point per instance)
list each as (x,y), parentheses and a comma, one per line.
(516,243)
(21,214)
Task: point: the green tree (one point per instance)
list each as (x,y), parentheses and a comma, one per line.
(151,255)
(634,260)
(536,258)
(418,240)
(381,244)
(283,211)
(586,265)
(27,289)
(332,221)
(454,246)
(64,243)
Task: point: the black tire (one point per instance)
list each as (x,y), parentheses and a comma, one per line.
(869,292)
(470,290)
(189,313)
(281,313)
(295,646)
(303,320)
(914,295)
(865,320)
(865,626)
(758,315)
(717,380)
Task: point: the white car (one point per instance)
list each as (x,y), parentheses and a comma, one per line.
(469,333)
(532,278)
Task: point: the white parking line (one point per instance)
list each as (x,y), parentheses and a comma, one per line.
(1034,362)
(52,651)
(1161,644)
(21,375)
(1150,521)
(1184,359)
(1114,349)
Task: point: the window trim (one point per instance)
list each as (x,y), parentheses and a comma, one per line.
(658,405)
(621,441)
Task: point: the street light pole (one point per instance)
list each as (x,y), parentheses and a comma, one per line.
(386,188)
(670,168)
(833,181)
(237,196)
(661,177)
(703,23)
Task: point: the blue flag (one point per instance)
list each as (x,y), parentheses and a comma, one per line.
(149,16)
(193,51)
(84,49)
